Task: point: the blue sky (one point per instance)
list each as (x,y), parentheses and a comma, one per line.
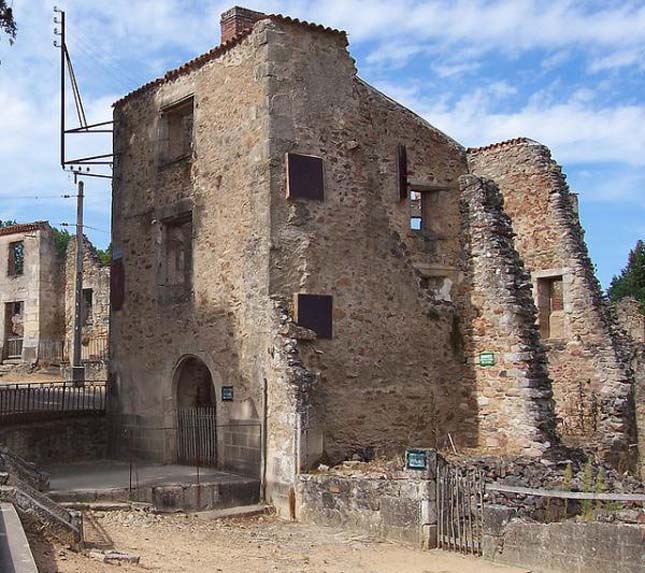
(568,74)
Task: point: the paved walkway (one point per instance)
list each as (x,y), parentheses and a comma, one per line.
(112,474)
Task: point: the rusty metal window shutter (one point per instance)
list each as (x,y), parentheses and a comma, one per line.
(305,177)
(314,311)
(402,171)
(117,284)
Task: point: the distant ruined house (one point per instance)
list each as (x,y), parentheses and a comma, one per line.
(37,296)
(326,274)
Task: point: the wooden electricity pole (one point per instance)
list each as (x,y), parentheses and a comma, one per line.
(78,371)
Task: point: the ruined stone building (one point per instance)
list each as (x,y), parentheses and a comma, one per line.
(37,295)
(301,254)
(29,291)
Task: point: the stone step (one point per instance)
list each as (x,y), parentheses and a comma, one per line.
(239,511)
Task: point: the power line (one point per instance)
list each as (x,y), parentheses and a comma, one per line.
(37,196)
(85,227)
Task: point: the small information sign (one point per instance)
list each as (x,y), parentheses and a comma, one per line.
(486,359)
(227,393)
(416,459)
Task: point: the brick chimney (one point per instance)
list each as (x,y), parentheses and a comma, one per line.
(237,20)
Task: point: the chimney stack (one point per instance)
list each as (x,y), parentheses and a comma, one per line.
(237,20)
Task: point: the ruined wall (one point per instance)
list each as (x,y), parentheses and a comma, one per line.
(514,392)
(38,287)
(390,376)
(565,547)
(631,319)
(51,294)
(591,380)
(96,318)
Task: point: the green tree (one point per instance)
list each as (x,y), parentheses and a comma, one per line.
(631,281)
(7,223)
(62,238)
(7,21)
(105,255)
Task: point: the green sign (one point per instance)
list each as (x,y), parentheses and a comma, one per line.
(486,359)
(416,459)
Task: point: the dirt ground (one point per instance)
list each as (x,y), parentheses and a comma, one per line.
(189,544)
(45,375)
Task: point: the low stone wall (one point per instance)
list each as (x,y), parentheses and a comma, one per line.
(401,510)
(65,440)
(564,547)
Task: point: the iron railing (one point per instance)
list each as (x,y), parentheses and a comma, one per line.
(13,348)
(22,402)
(51,351)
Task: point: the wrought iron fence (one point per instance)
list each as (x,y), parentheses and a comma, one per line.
(21,402)
(92,350)
(13,348)
(51,351)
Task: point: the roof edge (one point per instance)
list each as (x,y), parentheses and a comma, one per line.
(219,50)
(502,144)
(25,228)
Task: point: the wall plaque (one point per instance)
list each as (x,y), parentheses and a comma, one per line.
(486,359)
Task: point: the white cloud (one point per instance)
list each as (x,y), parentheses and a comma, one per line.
(619,59)
(119,44)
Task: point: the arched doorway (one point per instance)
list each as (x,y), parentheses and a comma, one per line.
(196,415)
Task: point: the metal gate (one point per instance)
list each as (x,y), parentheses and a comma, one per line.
(197,436)
(460,500)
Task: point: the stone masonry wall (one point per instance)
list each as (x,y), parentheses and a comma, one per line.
(566,547)
(96,276)
(391,375)
(514,394)
(592,382)
(38,288)
(632,321)
(631,318)
(227,321)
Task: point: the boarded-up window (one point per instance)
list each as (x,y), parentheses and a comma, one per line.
(117,284)
(305,178)
(314,311)
(176,132)
(177,258)
(550,306)
(16,261)
(402,171)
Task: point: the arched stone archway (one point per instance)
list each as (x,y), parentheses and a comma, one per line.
(194,384)
(196,413)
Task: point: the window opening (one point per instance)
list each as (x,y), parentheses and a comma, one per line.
(416,211)
(16,258)
(551,307)
(88,295)
(177,131)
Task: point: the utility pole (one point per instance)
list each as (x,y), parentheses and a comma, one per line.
(78,371)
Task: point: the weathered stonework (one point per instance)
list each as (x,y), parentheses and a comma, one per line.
(95,311)
(592,381)
(214,252)
(631,319)
(45,291)
(37,288)
(514,395)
